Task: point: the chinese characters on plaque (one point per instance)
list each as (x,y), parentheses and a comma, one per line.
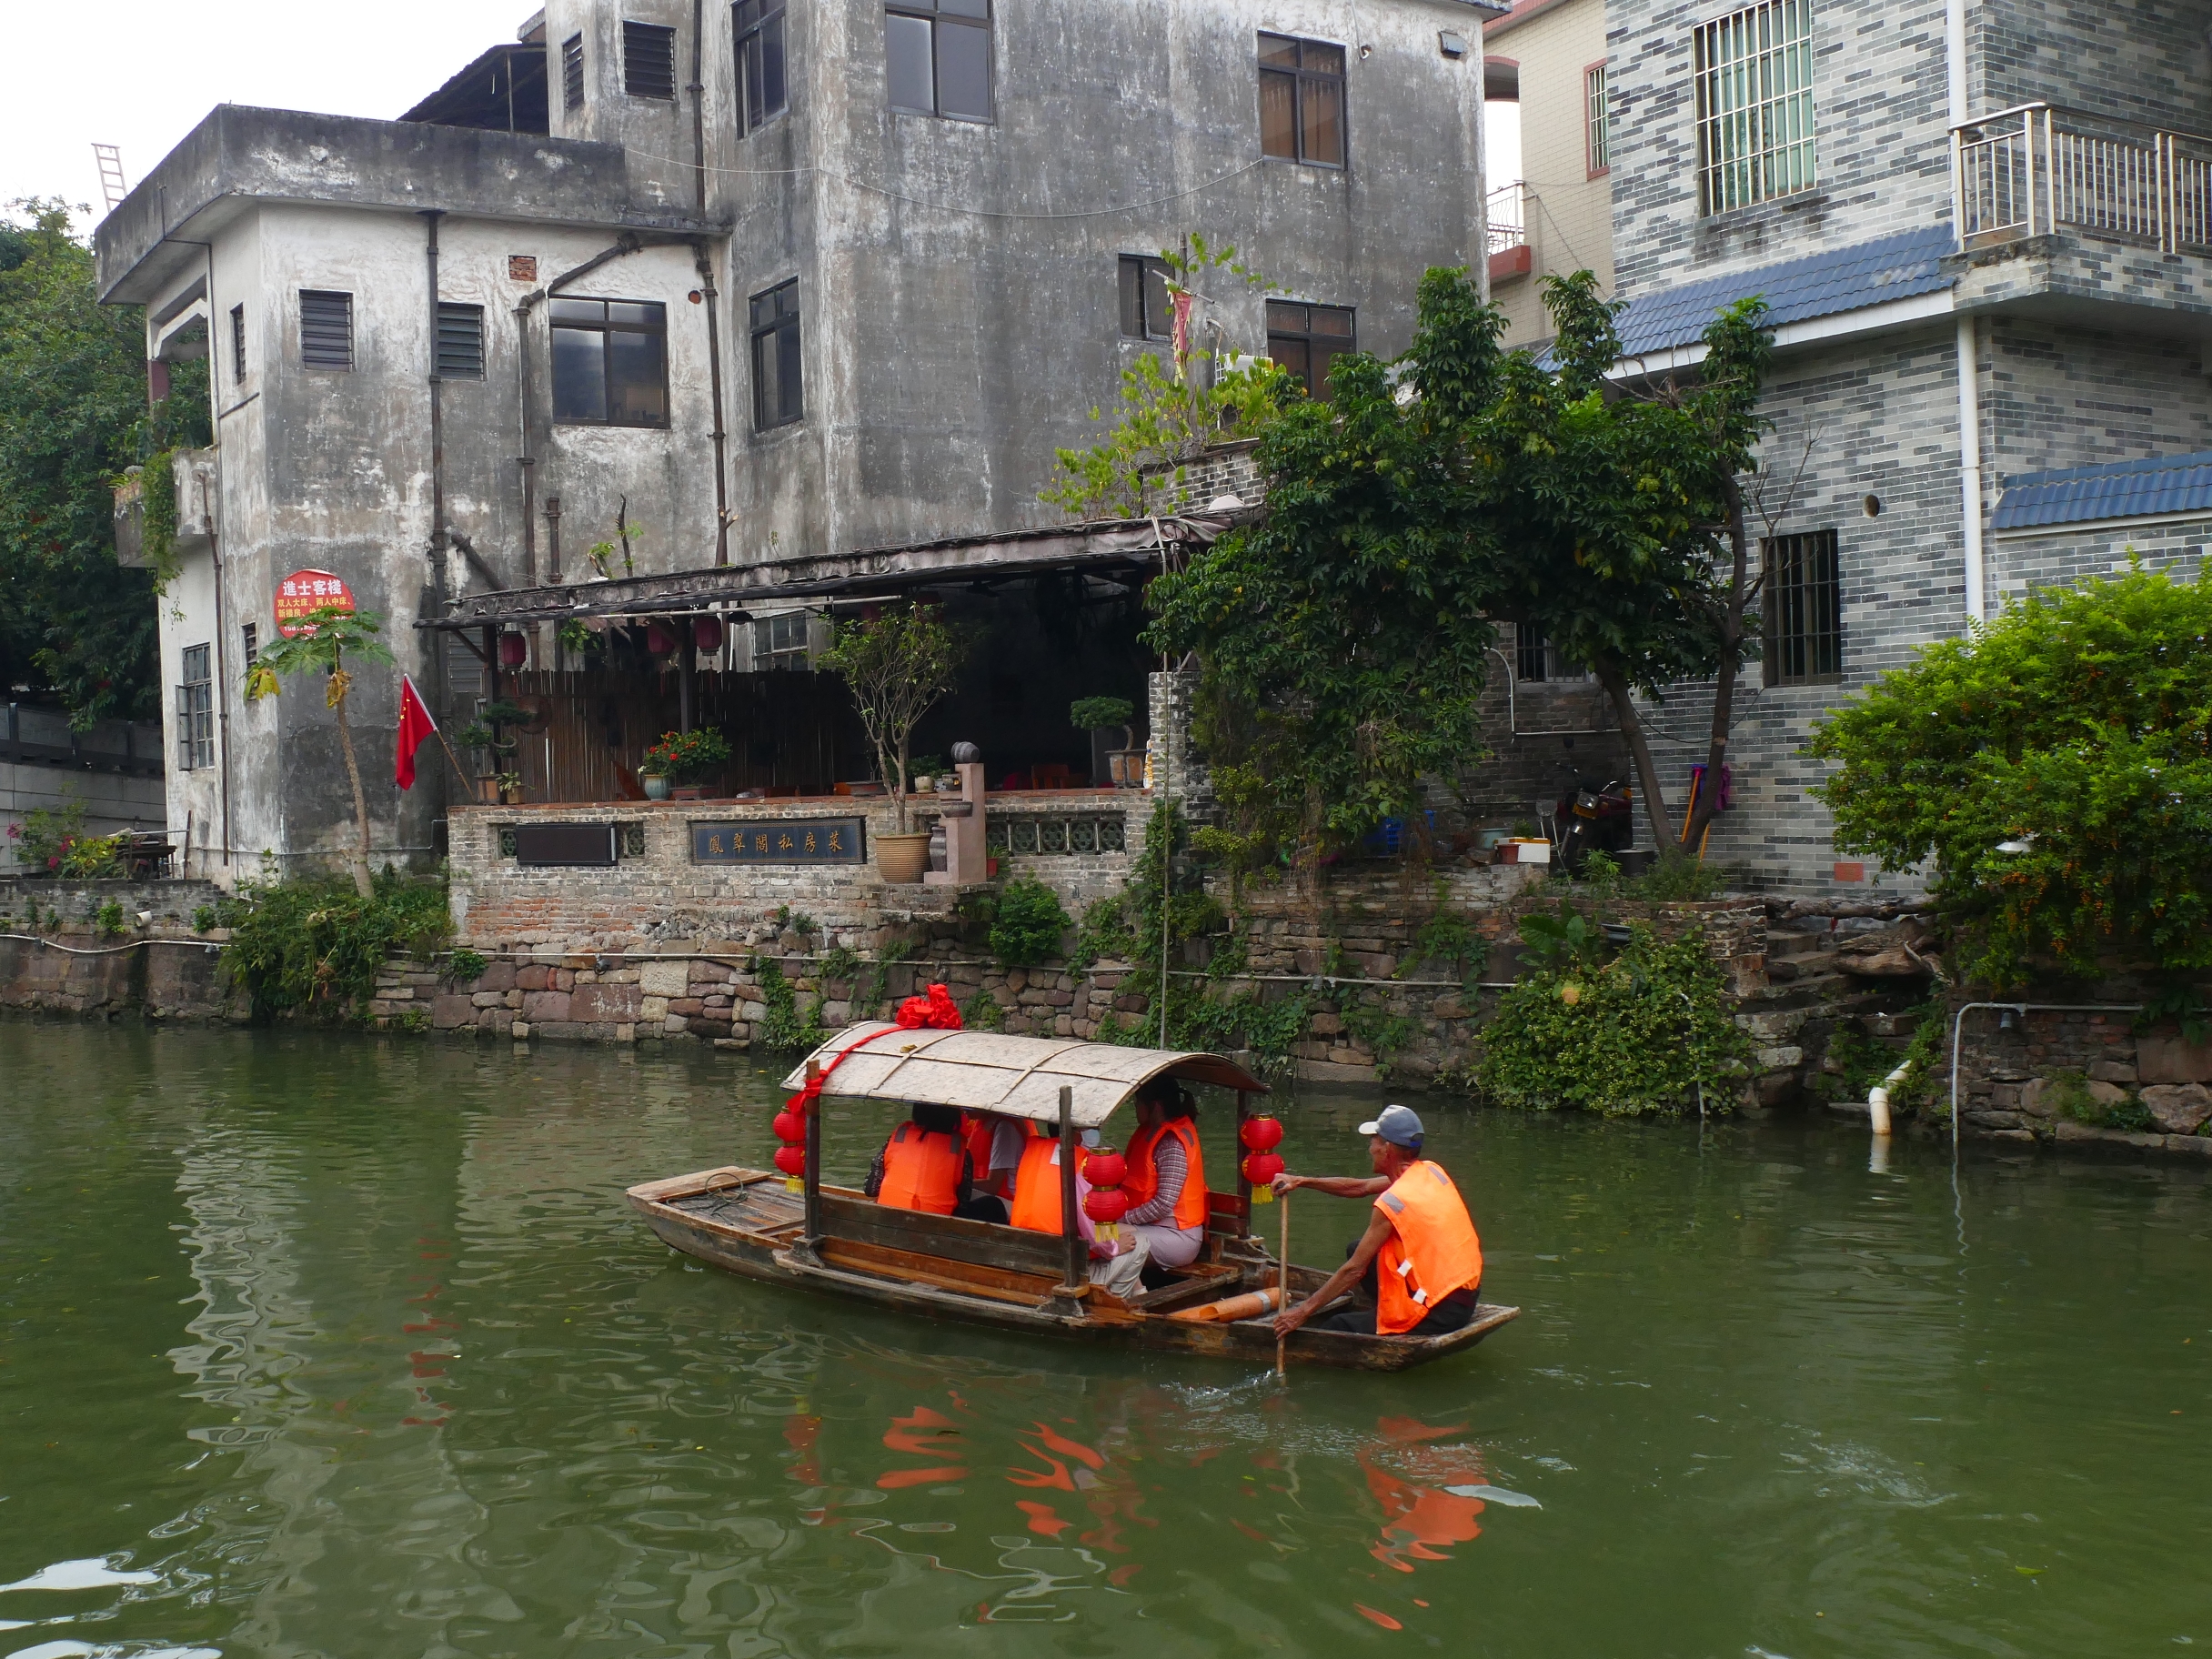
(784,840)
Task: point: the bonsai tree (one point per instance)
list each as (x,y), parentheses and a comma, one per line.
(897,661)
(326,637)
(1101,713)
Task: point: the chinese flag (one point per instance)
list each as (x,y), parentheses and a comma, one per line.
(415,725)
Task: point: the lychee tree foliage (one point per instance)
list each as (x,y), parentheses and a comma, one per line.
(2075,729)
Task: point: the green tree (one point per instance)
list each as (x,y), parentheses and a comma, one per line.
(72,414)
(326,637)
(1171,408)
(1628,513)
(897,661)
(2057,764)
(1343,637)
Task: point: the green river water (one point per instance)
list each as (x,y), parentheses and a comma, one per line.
(328,1345)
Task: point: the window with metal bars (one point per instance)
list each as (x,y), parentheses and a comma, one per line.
(1147,313)
(779,643)
(1804,629)
(1529,654)
(326,329)
(757,25)
(777,396)
(648,60)
(249,638)
(460,341)
(572,73)
(1301,101)
(937,57)
(1597,122)
(237,344)
(610,362)
(1303,340)
(1754,105)
(196,710)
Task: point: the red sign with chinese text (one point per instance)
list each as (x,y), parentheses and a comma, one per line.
(306,590)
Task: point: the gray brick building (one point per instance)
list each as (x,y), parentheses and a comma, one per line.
(1984,227)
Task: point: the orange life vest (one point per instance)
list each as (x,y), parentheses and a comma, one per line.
(1144,1178)
(979,1133)
(1037,1185)
(1431,1252)
(921,1170)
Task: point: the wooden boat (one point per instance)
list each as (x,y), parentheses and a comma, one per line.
(837,1240)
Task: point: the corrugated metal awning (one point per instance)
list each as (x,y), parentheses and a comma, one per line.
(1019,1076)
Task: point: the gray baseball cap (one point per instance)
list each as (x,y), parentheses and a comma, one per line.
(1397,1125)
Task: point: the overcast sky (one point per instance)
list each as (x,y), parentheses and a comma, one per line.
(140,75)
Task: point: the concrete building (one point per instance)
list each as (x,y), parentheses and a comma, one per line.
(706,286)
(1984,227)
(1547,60)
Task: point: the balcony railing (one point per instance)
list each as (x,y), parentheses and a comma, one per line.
(1506,215)
(2025,171)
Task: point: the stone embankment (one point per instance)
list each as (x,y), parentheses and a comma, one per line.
(111,949)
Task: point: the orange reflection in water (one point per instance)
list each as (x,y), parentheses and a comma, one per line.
(1419,1518)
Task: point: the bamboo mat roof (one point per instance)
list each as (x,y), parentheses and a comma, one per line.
(989,1071)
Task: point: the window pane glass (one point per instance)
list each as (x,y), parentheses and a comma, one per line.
(964,8)
(1279,49)
(638,393)
(1323,356)
(1292,358)
(1159,315)
(1278,114)
(749,80)
(771,66)
(1133,298)
(1328,60)
(1283,314)
(963,71)
(1332,319)
(579,376)
(906,64)
(787,405)
(579,311)
(1322,107)
(766,395)
(651,314)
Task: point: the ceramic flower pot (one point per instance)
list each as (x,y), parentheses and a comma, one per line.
(655,789)
(902,858)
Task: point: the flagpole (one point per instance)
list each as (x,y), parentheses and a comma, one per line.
(407,680)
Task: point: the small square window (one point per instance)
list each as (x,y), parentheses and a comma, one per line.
(937,57)
(326,329)
(461,342)
(648,60)
(779,643)
(572,73)
(1804,589)
(1304,340)
(609,362)
(1147,310)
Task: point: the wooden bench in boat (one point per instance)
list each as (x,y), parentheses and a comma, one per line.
(1004,1263)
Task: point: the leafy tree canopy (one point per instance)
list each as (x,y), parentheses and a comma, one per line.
(75,627)
(2076,729)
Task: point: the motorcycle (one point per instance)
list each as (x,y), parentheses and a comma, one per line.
(1601,817)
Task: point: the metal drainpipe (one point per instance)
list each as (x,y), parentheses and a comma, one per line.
(714,382)
(438,419)
(1959,1025)
(1958,98)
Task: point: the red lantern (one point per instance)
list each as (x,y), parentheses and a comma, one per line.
(1105,1205)
(1261,1168)
(1105,1169)
(658,639)
(790,1127)
(706,633)
(792,1160)
(1261,1134)
(514,650)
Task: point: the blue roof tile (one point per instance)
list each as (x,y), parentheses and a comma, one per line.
(1797,290)
(2118,490)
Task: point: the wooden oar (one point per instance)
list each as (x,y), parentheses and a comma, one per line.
(1284,1264)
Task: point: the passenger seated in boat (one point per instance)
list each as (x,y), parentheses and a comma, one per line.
(1419,1258)
(924,1167)
(994,1144)
(1116,1264)
(1166,1182)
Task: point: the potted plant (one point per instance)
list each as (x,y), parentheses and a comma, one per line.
(509,784)
(898,661)
(683,758)
(1107,714)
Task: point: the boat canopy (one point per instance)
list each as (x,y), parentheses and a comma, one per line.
(987,1072)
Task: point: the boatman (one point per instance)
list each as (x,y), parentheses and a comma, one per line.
(1419,1255)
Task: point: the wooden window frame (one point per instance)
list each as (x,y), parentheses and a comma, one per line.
(1300,78)
(1338,343)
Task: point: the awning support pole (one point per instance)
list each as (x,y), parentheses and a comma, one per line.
(1244,1185)
(810,1235)
(1079,1252)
